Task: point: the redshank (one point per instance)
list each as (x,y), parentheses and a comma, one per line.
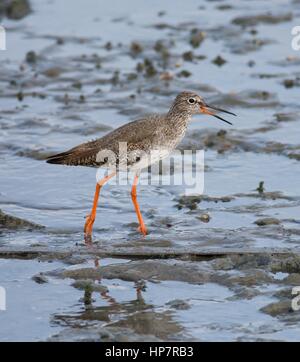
(155,134)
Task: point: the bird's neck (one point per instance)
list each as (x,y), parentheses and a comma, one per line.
(178,119)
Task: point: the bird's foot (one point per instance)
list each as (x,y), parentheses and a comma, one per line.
(88,228)
(142,229)
(88,239)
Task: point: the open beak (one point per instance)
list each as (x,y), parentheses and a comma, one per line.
(206,109)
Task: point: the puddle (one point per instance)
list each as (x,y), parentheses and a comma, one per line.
(29,320)
(62,84)
(222,305)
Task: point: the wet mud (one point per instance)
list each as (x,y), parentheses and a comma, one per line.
(219,265)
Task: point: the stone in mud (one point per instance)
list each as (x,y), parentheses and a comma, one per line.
(184,74)
(242,46)
(294,156)
(289,83)
(108,46)
(140,67)
(73,259)
(267,18)
(40,278)
(15,223)
(82,274)
(60,41)
(244,293)
(136,48)
(165,222)
(272,146)
(224,7)
(163,26)
(52,72)
(261,95)
(285,293)
(159,46)
(222,264)
(178,304)
(220,141)
(279,308)
(161,13)
(204,217)
(31,57)
(166,76)
(188,56)
(292,279)
(287,117)
(134,271)
(132,76)
(20,96)
(251,278)
(290,264)
(196,38)
(191,202)
(163,51)
(77,84)
(84,284)
(267,221)
(150,70)
(15,9)
(251,261)
(219,60)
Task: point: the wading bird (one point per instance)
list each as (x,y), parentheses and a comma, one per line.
(152,135)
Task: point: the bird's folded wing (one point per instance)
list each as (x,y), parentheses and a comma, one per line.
(138,135)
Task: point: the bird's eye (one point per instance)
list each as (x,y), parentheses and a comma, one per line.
(191,100)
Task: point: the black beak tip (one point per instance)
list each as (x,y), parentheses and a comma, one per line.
(221,110)
(222,119)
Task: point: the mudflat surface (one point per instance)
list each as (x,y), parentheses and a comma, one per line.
(71,74)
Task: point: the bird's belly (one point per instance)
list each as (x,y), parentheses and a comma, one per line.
(150,158)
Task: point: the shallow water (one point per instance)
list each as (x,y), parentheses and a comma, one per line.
(71,93)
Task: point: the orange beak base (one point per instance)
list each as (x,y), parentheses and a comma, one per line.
(205,109)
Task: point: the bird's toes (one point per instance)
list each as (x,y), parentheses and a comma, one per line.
(142,229)
(88,239)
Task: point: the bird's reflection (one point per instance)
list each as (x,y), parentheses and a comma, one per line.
(136,314)
(105,313)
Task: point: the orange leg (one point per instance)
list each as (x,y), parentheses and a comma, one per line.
(142,227)
(88,227)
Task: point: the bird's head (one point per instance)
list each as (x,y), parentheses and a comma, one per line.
(189,103)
